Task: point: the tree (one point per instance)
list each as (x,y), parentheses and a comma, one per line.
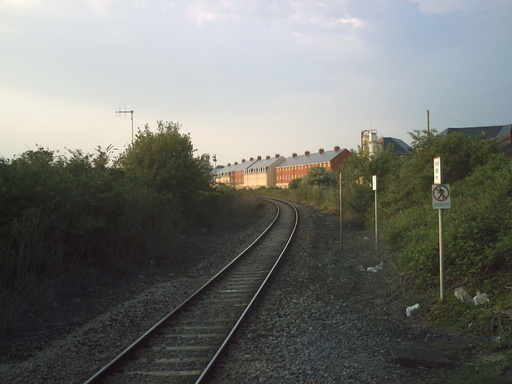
(164,160)
(319,176)
(461,154)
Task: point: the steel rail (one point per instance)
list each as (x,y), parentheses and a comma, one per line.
(210,365)
(106,370)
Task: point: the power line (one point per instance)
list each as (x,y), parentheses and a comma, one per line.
(458,121)
(473,99)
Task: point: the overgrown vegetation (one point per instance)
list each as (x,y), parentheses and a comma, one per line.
(477,228)
(64,214)
(318,188)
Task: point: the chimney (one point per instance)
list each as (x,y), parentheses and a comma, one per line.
(321,150)
(236,163)
(277,155)
(306,153)
(251,159)
(259,157)
(336,148)
(229,164)
(268,157)
(243,160)
(294,154)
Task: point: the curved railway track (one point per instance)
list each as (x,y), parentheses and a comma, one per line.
(184,345)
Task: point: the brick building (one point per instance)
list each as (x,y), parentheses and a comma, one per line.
(298,166)
(262,173)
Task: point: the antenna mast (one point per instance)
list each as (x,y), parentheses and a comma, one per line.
(118,112)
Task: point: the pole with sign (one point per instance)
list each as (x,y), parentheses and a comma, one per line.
(374,187)
(440,201)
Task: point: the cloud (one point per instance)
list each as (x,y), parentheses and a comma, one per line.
(201,11)
(327,14)
(354,21)
(20,3)
(100,7)
(9,31)
(440,7)
(61,8)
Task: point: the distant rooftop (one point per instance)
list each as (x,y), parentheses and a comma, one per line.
(308,157)
(397,146)
(489,132)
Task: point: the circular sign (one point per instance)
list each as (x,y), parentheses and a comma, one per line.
(441,192)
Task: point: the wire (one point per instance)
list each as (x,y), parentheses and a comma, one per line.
(458,121)
(473,99)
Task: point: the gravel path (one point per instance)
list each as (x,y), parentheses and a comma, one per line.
(323,319)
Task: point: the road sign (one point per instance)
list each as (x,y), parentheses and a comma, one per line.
(441,196)
(437,170)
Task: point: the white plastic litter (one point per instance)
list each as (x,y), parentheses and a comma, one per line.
(377,268)
(461,294)
(409,310)
(480,298)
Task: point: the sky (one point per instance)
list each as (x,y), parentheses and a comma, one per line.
(249,78)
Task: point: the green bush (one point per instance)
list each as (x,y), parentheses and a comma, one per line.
(477,227)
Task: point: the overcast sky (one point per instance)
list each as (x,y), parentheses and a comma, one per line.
(249,77)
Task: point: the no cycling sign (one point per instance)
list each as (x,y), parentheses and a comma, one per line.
(441,196)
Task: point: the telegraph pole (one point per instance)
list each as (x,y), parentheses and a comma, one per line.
(124,112)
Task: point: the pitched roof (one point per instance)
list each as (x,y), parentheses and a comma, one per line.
(501,133)
(489,132)
(317,157)
(234,167)
(265,162)
(398,146)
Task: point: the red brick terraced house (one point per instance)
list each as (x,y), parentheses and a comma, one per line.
(298,166)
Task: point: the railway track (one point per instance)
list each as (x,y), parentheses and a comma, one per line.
(184,345)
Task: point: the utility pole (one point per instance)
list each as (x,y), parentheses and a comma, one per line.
(428,121)
(124,112)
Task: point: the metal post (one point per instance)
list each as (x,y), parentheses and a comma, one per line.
(438,180)
(376,223)
(132,124)
(428,121)
(341,215)
(441,263)
(374,187)
(131,113)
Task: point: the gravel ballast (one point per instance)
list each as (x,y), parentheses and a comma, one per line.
(323,319)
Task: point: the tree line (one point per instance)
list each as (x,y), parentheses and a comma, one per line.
(63,213)
(478,227)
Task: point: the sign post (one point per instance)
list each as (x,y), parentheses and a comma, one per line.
(374,187)
(341,215)
(440,201)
